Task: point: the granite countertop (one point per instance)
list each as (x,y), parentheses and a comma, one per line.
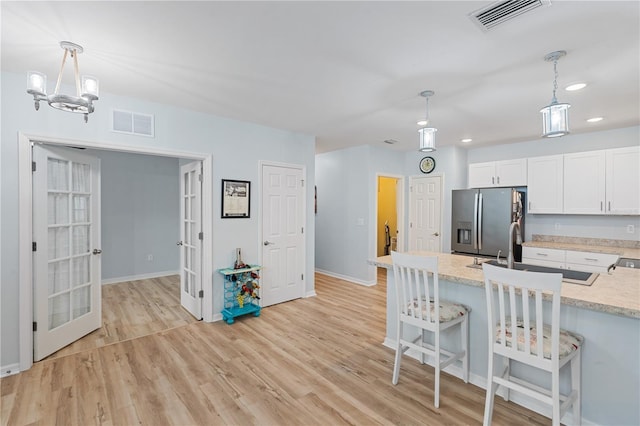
(617,293)
(622,248)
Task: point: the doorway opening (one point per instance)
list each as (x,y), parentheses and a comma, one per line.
(390,214)
(26,231)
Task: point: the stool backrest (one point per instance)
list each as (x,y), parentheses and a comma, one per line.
(413,275)
(514,307)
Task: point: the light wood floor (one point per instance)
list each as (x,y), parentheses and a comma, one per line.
(133,309)
(314,361)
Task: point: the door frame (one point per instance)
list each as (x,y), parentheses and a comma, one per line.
(25,224)
(400,202)
(303,169)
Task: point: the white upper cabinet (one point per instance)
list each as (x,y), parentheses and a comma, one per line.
(584,183)
(498,173)
(545,184)
(623,181)
(602,182)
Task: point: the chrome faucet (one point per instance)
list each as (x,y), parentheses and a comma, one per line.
(516,226)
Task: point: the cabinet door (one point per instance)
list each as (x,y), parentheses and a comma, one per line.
(511,172)
(482,175)
(623,181)
(545,184)
(584,182)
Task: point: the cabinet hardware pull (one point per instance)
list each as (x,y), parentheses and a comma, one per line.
(498,179)
(590,259)
(600,205)
(609,205)
(542,254)
(493,180)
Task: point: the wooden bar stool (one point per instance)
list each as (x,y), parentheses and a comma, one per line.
(515,312)
(419,305)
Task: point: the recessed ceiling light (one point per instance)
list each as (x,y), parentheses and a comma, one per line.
(422,123)
(466,140)
(576,86)
(594,119)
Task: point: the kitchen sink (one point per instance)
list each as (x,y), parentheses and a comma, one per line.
(628,262)
(568,275)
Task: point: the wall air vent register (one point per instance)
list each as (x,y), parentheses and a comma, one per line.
(132,123)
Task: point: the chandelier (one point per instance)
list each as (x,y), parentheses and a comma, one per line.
(555,116)
(86,86)
(427,134)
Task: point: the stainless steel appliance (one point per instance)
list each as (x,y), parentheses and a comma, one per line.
(481,218)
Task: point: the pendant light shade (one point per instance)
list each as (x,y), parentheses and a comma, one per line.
(427,134)
(427,139)
(555,116)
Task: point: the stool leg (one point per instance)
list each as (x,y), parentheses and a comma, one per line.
(575,385)
(464,332)
(436,399)
(491,391)
(555,396)
(396,365)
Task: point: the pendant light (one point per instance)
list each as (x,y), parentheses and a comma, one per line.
(427,134)
(555,116)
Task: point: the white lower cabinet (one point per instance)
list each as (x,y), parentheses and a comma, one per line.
(568,259)
(589,262)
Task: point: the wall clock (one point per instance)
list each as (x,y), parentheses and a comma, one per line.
(427,164)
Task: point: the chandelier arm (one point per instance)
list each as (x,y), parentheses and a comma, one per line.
(76,72)
(64,59)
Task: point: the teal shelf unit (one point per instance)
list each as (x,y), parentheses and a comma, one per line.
(234,280)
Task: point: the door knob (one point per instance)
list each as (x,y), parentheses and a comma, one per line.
(97,251)
(179,243)
(268,243)
(436,234)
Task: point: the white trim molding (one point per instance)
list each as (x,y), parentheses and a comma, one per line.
(347,278)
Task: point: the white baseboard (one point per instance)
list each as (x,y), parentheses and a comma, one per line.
(311,293)
(9,370)
(217,317)
(481,382)
(139,277)
(347,278)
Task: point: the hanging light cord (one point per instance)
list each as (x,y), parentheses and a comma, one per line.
(555,81)
(426,115)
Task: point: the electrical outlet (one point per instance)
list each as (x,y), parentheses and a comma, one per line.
(150,257)
(631,229)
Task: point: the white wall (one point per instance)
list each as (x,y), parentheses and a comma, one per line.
(347,210)
(237,149)
(140,214)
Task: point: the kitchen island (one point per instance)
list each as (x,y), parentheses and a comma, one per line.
(607,314)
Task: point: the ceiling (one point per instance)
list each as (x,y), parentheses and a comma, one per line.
(349,73)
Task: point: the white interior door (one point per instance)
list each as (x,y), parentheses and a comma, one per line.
(66,258)
(191,238)
(425,201)
(282,234)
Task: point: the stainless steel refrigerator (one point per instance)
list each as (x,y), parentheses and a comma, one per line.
(480,221)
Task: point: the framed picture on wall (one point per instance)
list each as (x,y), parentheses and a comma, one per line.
(236,197)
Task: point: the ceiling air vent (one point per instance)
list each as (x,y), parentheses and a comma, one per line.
(497,13)
(133,123)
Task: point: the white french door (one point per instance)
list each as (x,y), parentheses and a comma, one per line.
(425,204)
(282,234)
(66,258)
(191,238)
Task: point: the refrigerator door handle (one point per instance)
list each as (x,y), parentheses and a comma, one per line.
(480,221)
(474,231)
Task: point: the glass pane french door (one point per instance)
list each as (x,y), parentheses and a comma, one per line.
(66,231)
(190,242)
